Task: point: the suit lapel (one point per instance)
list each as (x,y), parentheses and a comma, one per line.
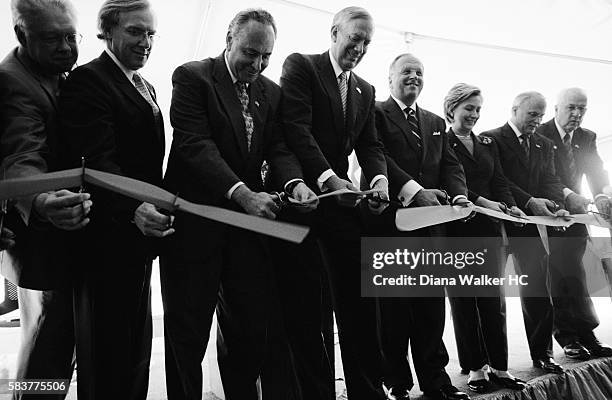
(354,102)
(458,147)
(396,115)
(29,68)
(124,84)
(227,94)
(512,141)
(426,131)
(330,85)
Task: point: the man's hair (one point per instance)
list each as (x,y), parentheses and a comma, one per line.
(457,95)
(350,13)
(396,59)
(523,97)
(565,92)
(108,16)
(251,14)
(27,13)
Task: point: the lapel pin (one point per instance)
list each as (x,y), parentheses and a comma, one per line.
(358,90)
(436,133)
(576,146)
(537,145)
(554,147)
(256,103)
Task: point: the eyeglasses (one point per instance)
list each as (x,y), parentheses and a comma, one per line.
(141,34)
(572,108)
(70,38)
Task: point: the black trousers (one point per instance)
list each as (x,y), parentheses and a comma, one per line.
(112,311)
(418,323)
(480,331)
(209,266)
(358,318)
(302,286)
(574,314)
(47,338)
(530,259)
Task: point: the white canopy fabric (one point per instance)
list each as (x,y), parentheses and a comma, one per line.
(504,47)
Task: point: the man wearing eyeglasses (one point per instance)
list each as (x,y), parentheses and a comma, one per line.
(327,112)
(109,116)
(30,79)
(575,156)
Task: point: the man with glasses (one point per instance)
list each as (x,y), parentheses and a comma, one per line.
(327,112)
(575,156)
(110,117)
(30,78)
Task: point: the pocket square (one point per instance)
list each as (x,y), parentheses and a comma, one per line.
(436,133)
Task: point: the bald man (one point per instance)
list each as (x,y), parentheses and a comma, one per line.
(576,156)
(527,160)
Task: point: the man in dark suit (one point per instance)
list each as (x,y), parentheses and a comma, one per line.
(30,78)
(420,163)
(576,155)
(327,112)
(226,123)
(109,115)
(527,161)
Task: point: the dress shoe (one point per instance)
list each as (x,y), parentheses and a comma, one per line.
(598,349)
(479,385)
(576,351)
(398,393)
(448,392)
(510,383)
(548,365)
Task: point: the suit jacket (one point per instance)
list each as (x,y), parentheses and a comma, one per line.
(28,123)
(586,158)
(437,166)
(209,151)
(483,171)
(106,120)
(314,124)
(533,177)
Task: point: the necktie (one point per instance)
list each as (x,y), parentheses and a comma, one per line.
(343,86)
(414,125)
(243,96)
(525,144)
(144,92)
(567,143)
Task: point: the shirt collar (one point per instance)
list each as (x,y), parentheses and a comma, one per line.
(515,129)
(127,72)
(337,68)
(562,131)
(234,79)
(403,106)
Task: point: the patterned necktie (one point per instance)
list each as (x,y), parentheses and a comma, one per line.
(144,92)
(243,96)
(343,86)
(414,125)
(525,144)
(567,143)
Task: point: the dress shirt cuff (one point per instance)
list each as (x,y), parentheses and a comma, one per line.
(459,196)
(323,177)
(376,179)
(289,182)
(407,192)
(567,192)
(527,204)
(232,189)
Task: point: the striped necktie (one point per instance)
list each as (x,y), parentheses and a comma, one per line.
(414,125)
(243,96)
(343,86)
(144,92)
